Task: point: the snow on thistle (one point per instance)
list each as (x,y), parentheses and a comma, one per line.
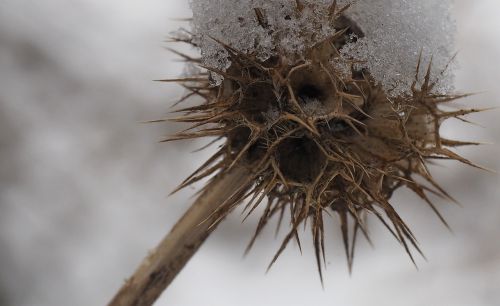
(394,32)
(326,108)
(334,105)
(330,105)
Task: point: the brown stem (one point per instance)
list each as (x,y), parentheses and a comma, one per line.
(159,269)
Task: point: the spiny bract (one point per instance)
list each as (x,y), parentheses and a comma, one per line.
(320,136)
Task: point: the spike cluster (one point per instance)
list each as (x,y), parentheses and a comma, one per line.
(319,141)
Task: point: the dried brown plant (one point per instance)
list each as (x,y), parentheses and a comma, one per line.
(305,139)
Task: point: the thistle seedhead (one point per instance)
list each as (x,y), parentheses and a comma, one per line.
(321,136)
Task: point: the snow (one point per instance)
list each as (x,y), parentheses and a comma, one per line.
(396,31)
(236,23)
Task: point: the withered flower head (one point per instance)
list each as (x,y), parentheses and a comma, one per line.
(319,133)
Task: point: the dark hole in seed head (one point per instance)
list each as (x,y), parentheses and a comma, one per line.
(300,160)
(311,85)
(238,138)
(257,99)
(310,92)
(256,151)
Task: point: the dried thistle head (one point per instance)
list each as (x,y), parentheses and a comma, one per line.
(321,136)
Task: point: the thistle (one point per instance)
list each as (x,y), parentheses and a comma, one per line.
(308,135)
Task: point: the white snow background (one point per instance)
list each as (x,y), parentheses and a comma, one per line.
(83,184)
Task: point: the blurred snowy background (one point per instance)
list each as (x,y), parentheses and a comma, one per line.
(83,183)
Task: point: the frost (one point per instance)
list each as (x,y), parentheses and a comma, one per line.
(395,32)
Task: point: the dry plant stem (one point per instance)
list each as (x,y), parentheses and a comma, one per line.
(159,269)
